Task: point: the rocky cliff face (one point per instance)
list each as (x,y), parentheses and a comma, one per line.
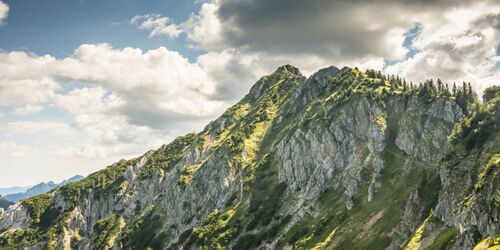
(342,159)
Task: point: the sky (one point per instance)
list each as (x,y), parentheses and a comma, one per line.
(84,83)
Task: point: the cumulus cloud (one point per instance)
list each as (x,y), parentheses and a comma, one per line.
(89,100)
(4,10)
(119,101)
(157,24)
(458,39)
(243,39)
(108,132)
(204,29)
(24,79)
(459,45)
(108,103)
(158,85)
(153,87)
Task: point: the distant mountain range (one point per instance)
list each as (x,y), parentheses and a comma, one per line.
(12,190)
(40,188)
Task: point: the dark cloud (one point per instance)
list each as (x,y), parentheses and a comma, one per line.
(331,28)
(492,20)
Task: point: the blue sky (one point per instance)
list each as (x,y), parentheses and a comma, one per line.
(86,83)
(58,27)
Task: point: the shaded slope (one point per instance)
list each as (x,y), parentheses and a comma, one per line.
(4,203)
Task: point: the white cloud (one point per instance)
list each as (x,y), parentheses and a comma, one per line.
(89,100)
(205,29)
(460,45)
(4,10)
(240,48)
(26,91)
(157,24)
(457,42)
(24,79)
(107,132)
(131,101)
(27,109)
(160,84)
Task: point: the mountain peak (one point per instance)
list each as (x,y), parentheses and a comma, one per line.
(358,145)
(286,73)
(326,72)
(288,69)
(75,178)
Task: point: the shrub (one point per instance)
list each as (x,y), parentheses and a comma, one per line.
(301,232)
(106,231)
(37,205)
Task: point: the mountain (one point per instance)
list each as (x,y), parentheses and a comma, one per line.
(12,190)
(342,159)
(40,188)
(4,203)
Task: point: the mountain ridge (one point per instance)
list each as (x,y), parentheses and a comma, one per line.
(39,188)
(341,159)
(14,189)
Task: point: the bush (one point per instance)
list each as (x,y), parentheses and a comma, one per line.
(266,195)
(184,235)
(107,230)
(144,232)
(49,217)
(37,205)
(248,241)
(301,232)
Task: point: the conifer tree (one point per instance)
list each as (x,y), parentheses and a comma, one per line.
(370,73)
(439,85)
(446,89)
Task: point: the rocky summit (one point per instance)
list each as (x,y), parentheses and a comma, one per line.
(343,159)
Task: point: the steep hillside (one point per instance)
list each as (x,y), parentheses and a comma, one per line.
(4,203)
(343,159)
(468,208)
